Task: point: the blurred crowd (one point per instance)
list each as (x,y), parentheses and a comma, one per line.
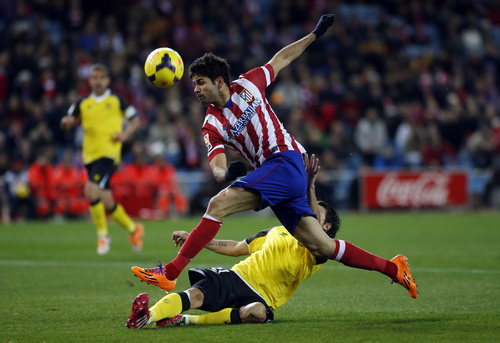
(396,84)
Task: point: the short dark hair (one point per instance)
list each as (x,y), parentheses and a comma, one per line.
(99,66)
(211,66)
(331,217)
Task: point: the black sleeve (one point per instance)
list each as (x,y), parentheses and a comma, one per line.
(129,111)
(74,109)
(260,234)
(123,104)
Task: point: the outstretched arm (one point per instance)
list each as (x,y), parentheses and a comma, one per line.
(291,52)
(223,247)
(312,168)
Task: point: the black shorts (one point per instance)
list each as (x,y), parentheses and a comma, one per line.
(223,288)
(100,171)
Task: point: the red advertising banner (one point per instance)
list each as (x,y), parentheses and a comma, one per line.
(425,189)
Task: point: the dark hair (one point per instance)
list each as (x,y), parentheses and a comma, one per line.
(99,66)
(211,66)
(331,217)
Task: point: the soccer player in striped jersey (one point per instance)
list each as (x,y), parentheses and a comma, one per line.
(101,115)
(240,117)
(251,289)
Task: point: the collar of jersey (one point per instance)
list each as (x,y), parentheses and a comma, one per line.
(102,97)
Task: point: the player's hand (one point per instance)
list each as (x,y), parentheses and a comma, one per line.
(67,122)
(312,168)
(119,137)
(235,169)
(179,237)
(324,23)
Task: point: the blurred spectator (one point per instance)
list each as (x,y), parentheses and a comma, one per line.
(342,146)
(163,138)
(4,83)
(4,199)
(136,188)
(18,192)
(69,180)
(39,134)
(435,151)
(287,95)
(370,135)
(41,183)
(480,148)
(408,139)
(168,193)
(191,152)
(387,159)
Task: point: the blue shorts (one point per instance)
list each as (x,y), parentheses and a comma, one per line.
(281,183)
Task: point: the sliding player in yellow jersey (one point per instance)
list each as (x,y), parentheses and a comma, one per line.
(101,115)
(251,289)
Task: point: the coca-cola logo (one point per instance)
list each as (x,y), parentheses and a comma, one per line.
(427,189)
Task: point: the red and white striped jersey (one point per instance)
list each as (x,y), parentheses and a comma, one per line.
(247,123)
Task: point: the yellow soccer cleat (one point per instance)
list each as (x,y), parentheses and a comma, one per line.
(403,276)
(155,277)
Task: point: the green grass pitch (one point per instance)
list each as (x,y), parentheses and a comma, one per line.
(54,288)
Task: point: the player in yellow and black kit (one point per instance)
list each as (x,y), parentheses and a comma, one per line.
(251,289)
(101,115)
(277,265)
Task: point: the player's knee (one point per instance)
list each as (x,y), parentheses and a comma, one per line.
(253,313)
(91,191)
(214,203)
(218,205)
(196,297)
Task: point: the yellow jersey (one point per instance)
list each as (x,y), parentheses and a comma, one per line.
(277,265)
(101,118)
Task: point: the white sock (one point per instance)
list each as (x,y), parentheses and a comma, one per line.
(151,316)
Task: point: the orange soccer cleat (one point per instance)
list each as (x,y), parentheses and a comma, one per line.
(403,276)
(136,238)
(155,277)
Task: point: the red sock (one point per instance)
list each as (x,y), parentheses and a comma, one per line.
(196,241)
(354,257)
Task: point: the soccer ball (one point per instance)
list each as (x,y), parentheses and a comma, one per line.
(164,67)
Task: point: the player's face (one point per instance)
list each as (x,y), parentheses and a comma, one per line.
(99,81)
(322,218)
(206,91)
